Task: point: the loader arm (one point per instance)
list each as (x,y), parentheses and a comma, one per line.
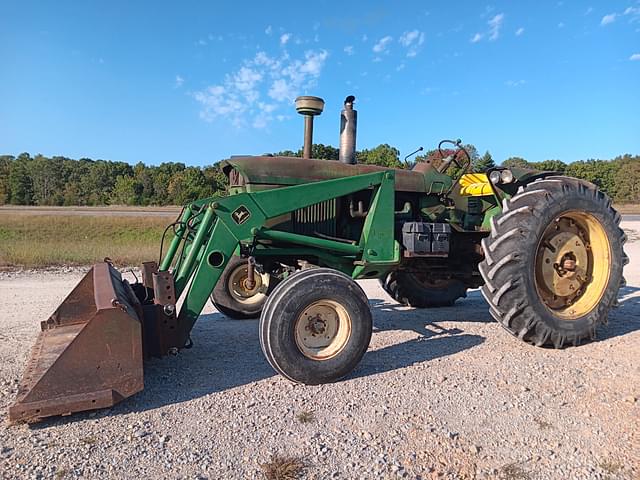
(212,229)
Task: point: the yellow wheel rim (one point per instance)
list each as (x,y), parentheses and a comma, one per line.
(237,286)
(573,264)
(322,330)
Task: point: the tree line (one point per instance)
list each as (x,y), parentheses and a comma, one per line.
(40,180)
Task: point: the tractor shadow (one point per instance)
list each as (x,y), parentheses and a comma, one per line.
(227,354)
(433,341)
(625,318)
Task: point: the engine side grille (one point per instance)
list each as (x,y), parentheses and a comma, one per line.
(317,218)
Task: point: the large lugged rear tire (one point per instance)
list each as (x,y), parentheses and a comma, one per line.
(315,326)
(408,289)
(553,262)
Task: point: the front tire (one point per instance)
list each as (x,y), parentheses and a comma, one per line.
(316,326)
(553,262)
(230,295)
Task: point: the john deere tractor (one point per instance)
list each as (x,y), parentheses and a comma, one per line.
(292,237)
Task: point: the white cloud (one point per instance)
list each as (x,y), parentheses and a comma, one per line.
(407,38)
(634,13)
(412,41)
(514,83)
(607,19)
(495,24)
(349,50)
(561,25)
(365,38)
(263,84)
(281,90)
(383,44)
(476,38)
(314,61)
(268,30)
(179,81)
(588,11)
(284,38)
(519,31)
(635,57)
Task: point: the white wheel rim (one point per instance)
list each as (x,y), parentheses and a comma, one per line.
(322,330)
(237,286)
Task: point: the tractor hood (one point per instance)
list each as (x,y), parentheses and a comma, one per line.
(264,172)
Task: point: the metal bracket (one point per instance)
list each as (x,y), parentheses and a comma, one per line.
(163,289)
(148,269)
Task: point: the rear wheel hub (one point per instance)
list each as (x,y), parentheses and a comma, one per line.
(572,264)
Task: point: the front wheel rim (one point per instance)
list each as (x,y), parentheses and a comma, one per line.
(573,265)
(237,286)
(322,330)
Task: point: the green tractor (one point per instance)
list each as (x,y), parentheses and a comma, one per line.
(292,237)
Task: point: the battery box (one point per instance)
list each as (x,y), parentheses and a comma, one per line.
(422,239)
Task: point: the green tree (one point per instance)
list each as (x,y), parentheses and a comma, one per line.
(20,182)
(600,172)
(144,178)
(484,163)
(5,169)
(188,185)
(383,155)
(216,179)
(627,180)
(319,151)
(47,177)
(550,166)
(124,191)
(517,162)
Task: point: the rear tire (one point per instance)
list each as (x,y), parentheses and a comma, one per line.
(316,326)
(553,262)
(231,297)
(407,289)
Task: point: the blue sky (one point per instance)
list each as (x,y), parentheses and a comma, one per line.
(197,82)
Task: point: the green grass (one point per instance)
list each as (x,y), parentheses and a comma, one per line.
(35,241)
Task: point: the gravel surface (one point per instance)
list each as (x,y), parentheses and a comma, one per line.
(443,393)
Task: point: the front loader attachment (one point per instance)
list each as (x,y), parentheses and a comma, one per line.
(89,353)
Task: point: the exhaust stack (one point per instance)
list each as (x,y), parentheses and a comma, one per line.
(348,128)
(309,107)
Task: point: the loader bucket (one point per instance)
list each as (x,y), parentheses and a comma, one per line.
(88,354)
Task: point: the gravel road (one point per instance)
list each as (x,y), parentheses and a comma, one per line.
(443,393)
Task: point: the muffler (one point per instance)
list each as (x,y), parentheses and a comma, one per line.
(348,130)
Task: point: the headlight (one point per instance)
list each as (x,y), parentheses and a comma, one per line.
(495,177)
(506,176)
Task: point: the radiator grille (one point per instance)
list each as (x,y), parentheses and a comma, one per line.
(317,218)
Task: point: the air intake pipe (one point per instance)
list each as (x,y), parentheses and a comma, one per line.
(348,128)
(308,107)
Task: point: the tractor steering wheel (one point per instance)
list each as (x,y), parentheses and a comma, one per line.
(454,158)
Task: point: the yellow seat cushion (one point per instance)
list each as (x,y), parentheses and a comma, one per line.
(475,185)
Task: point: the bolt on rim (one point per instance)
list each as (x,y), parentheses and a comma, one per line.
(322,330)
(573,265)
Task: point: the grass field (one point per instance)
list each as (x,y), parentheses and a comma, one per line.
(30,241)
(36,237)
